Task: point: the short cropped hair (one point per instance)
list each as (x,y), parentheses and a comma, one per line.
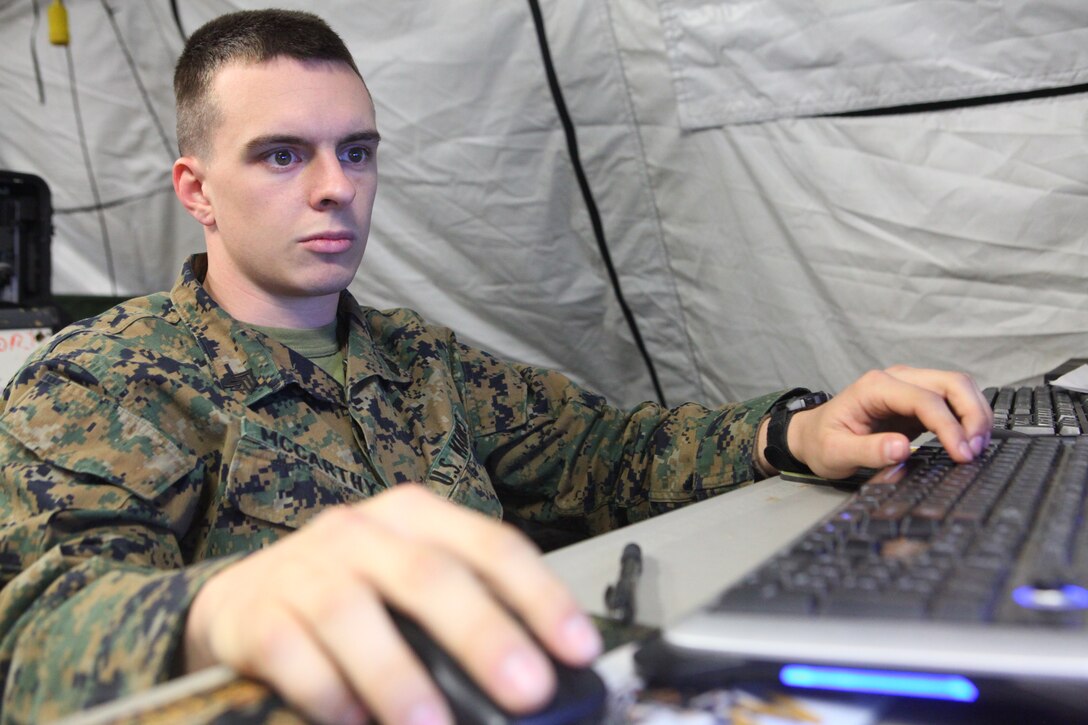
(248,36)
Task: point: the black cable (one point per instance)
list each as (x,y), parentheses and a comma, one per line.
(139,82)
(177,21)
(90,170)
(34,52)
(587,193)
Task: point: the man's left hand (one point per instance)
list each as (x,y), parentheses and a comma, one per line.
(871,423)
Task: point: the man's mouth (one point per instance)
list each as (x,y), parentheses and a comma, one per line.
(330,242)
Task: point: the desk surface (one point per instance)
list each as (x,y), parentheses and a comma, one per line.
(690,554)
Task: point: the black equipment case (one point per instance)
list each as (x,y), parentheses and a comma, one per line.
(26,234)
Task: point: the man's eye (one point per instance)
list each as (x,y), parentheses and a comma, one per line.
(282,157)
(356,154)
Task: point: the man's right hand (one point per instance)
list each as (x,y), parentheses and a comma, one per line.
(308,614)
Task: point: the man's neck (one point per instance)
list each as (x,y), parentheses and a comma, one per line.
(259,308)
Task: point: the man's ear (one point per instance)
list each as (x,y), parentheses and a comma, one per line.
(189,187)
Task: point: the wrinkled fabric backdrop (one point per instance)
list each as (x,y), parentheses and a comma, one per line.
(763,232)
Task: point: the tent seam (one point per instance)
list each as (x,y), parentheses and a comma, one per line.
(605,10)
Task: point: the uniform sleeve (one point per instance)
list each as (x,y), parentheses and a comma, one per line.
(557,452)
(94,501)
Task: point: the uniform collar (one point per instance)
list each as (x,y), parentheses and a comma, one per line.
(254,364)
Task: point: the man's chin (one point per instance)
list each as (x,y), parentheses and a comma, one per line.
(323,288)
(332,277)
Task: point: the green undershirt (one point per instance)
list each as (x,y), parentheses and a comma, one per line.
(321,345)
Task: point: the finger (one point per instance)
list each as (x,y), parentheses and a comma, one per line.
(930,407)
(508,563)
(883,449)
(353,628)
(844,451)
(442,593)
(277,650)
(963,396)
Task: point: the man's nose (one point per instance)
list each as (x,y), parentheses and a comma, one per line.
(331,185)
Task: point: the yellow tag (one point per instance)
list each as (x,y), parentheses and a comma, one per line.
(58,23)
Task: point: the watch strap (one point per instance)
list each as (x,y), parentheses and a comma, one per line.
(777,452)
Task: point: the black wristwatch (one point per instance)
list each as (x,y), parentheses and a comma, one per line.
(777,451)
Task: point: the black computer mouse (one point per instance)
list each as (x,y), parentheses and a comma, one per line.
(579,698)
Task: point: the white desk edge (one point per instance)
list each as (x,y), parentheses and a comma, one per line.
(690,554)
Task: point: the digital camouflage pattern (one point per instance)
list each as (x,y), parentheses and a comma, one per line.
(143,450)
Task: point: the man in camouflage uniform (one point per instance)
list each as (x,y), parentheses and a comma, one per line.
(223,473)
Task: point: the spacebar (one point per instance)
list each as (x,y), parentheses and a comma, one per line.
(890,604)
(1034,429)
(753,600)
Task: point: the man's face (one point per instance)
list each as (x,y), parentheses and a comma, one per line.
(289,183)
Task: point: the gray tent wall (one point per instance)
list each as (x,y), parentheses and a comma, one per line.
(755,251)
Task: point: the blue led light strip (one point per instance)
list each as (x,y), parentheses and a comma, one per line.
(880,682)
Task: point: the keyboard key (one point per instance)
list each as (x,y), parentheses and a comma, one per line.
(782,601)
(1038,411)
(962,606)
(881,605)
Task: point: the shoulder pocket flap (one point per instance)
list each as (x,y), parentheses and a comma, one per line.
(75,428)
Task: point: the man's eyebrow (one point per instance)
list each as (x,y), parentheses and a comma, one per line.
(366,136)
(284,139)
(275,139)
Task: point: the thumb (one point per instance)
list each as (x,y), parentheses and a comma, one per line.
(873,450)
(894,447)
(883,449)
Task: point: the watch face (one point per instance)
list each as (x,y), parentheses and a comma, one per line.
(807,401)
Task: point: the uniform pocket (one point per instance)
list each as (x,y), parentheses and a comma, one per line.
(275,480)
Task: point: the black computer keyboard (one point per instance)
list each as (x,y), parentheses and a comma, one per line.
(1039,410)
(1001,539)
